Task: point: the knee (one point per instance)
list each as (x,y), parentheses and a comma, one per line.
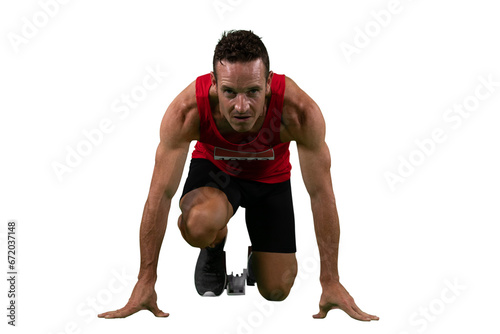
(205,211)
(276,294)
(196,227)
(278,291)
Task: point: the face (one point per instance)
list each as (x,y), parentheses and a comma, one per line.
(242,89)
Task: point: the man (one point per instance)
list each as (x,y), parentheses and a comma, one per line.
(244,117)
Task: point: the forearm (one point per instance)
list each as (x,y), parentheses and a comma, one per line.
(326,226)
(152,231)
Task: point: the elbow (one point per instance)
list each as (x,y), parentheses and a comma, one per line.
(160,195)
(168,194)
(322,195)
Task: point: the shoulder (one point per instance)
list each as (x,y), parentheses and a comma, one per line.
(302,119)
(181,120)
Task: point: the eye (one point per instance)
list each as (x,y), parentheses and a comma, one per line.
(229,92)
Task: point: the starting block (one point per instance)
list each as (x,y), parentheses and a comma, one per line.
(236,284)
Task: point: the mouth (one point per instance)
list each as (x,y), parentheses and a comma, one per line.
(242,118)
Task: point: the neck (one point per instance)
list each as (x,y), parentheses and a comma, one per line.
(227,131)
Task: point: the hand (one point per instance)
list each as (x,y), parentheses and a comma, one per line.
(336,296)
(143,298)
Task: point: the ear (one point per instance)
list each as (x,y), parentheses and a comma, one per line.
(212,78)
(268,83)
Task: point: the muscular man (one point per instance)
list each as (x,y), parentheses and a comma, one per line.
(243,117)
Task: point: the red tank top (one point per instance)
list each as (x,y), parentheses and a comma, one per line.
(265,159)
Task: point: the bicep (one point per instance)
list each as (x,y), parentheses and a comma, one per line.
(314,155)
(305,124)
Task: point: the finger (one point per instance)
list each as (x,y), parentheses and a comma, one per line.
(353,313)
(161,314)
(112,315)
(157,312)
(121,313)
(102,315)
(366,315)
(350,307)
(323,311)
(320,315)
(107,314)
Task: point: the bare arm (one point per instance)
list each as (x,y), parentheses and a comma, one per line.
(315,167)
(308,130)
(178,128)
(169,164)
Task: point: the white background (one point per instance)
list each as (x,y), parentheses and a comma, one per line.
(399,247)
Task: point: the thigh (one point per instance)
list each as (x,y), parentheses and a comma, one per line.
(204,174)
(270,219)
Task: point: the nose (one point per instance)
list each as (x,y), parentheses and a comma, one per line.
(241,105)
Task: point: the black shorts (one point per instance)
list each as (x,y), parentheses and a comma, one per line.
(268,207)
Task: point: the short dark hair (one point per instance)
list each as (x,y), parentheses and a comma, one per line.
(240,45)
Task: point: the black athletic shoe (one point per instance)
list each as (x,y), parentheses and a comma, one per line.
(210,276)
